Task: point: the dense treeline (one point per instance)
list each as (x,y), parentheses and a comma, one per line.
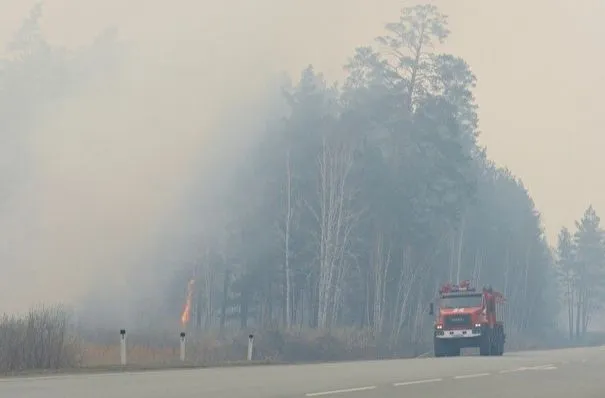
(369,195)
(581,271)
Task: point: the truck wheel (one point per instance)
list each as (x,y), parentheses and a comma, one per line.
(485,345)
(500,346)
(440,348)
(497,344)
(494,347)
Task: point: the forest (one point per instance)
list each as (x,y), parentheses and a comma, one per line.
(356,204)
(369,195)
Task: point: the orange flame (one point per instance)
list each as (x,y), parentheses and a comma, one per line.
(187,309)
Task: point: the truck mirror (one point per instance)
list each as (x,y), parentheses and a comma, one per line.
(431,309)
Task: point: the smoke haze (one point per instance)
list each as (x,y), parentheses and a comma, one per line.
(113,169)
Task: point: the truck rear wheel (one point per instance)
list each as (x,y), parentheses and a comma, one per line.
(492,342)
(498,342)
(500,350)
(486,343)
(495,346)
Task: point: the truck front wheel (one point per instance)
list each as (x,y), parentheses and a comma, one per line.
(439,348)
(444,348)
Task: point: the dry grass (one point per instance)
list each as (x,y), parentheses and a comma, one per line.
(211,348)
(99,355)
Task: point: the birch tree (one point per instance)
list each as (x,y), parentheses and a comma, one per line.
(336,219)
(381,259)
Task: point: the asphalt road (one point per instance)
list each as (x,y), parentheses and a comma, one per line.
(578,373)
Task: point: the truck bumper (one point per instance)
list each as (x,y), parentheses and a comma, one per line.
(458,334)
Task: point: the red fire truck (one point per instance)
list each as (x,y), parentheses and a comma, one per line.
(468,318)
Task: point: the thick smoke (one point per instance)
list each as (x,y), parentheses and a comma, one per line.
(112,167)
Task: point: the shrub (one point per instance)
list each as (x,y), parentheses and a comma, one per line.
(41,339)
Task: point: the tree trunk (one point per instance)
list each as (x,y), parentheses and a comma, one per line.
(578,313)
(335,221)
(569,305)
(460,246)
(224,303)
(288,292)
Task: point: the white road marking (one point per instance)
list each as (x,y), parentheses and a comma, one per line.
(511,370)
(409,383)
(23,378)
(81,375)
(540,367)
(471,376)
(523,369)
(318,394)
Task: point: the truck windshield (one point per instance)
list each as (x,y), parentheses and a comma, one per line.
(461,301)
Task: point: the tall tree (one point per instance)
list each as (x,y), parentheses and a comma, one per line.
(566,269)
(409,42)
(589,267)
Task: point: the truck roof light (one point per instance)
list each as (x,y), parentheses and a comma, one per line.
(464,286)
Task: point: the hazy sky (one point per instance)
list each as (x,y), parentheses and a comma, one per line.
(538,65)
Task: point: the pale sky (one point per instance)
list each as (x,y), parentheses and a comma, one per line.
(540,79)
(538,64)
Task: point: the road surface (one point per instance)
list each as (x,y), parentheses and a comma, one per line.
(577,373)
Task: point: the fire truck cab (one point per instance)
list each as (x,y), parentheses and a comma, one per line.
(468,318)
